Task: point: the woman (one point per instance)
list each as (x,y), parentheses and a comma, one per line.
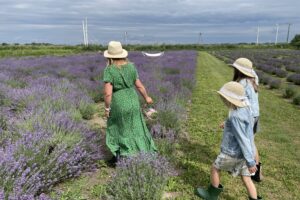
(126,132)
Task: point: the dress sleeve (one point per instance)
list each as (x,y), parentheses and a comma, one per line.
(107,77)
(136,74)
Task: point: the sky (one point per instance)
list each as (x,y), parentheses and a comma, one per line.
(148,21)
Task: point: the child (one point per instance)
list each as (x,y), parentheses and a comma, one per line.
(245,75)
(237,148)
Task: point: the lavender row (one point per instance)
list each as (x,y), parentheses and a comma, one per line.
(43,100)
(274,62)
(42,135)
(169,80)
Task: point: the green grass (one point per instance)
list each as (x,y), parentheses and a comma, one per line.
(278,141)
(40,50)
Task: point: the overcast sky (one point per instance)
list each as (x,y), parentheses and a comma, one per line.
(147,21)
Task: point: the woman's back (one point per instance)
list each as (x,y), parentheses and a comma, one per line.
(121,77)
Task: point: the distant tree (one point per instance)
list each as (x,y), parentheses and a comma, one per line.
(296,41)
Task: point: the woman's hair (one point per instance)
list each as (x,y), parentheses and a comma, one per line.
(237,76)
(228,103)
(110,61)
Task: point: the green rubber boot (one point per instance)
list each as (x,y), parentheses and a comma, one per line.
(211,193)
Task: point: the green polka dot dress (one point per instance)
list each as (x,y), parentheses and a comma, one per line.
(126,128)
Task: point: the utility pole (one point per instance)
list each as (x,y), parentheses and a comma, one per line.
(86,33)
(83,31)
(277,28)
(125,37)
(288,33)
(200,38)
(257,36)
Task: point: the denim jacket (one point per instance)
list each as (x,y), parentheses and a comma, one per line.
(238,139)
(252,96)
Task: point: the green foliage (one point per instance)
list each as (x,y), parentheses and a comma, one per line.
(168,119)
(143,176)
(69,195)
(16,83)
(40,49)
(3,123)
(289,91)
(296,41)
(170,70)
(274,83)
(87,110)
(296,100)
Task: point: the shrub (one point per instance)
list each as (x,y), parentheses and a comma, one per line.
(274,83)
(281,73)
(295,78)
(170,70)
(268,69)
(289,92)
(296,41)
(3,123)
(265,79)
(87,110)
(293,68)
(16,83)
(296,100)
(143,176)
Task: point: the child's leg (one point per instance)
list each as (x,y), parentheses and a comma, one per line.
(250,186)
(215,176)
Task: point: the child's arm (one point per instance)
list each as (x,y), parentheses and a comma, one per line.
(244,140)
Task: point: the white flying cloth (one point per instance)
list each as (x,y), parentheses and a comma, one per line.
(153,54)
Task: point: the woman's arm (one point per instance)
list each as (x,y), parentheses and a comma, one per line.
(107,97)
(140,87)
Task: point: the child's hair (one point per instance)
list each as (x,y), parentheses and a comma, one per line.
(237,76)
(110,61)
(228,103)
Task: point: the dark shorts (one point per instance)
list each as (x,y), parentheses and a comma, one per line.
(256,125)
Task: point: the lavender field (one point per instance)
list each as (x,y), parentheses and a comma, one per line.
(46,102)
(277,69)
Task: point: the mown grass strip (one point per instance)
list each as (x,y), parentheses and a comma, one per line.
(278,140)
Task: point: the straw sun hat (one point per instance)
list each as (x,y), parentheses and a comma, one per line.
(115,50)
(234,92)
(245,66)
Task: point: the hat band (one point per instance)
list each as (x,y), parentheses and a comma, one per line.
(243,67)
(232,95)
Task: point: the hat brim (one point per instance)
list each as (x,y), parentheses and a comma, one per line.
(124,54)
(235,102)
(243,71)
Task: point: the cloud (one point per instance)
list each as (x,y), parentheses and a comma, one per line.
(145,20)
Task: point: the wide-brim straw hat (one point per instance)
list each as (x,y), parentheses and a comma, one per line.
(245,66)
(115,50)
(234,92)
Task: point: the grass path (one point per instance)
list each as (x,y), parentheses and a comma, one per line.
(278,140)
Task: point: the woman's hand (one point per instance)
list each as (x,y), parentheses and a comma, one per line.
(149,100)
